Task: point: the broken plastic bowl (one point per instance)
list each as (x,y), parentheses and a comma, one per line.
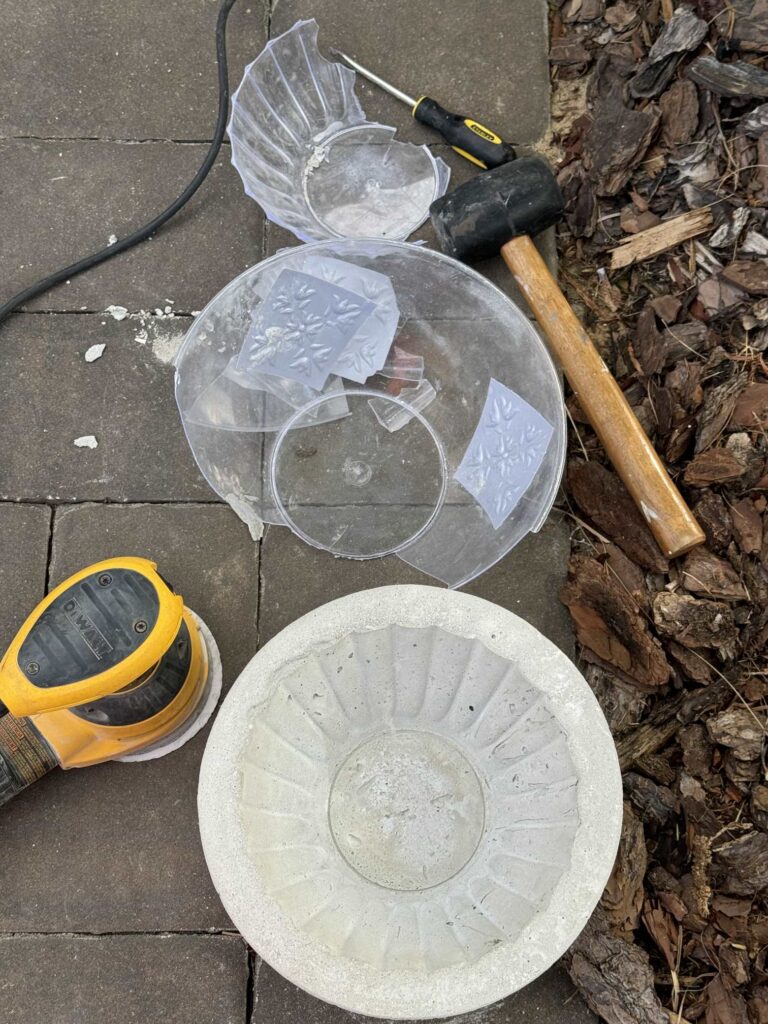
(410,802)
(308,156)
(448,471)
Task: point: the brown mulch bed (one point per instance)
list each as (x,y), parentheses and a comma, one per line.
(661,122)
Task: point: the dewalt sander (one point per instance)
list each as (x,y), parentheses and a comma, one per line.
(110,666)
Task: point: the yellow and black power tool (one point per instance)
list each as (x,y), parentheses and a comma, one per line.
(110,666)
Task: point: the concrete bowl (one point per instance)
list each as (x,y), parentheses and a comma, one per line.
(410,802)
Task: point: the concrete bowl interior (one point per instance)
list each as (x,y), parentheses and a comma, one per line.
(410,802)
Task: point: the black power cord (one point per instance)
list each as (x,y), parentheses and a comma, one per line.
(143,233)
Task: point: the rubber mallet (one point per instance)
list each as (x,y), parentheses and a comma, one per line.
(499,210)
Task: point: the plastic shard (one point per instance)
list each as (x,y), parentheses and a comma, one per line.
(306,153)
(394,417)
(505,452)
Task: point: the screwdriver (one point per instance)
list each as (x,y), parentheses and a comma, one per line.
(468,137)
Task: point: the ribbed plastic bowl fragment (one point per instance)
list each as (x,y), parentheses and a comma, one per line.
(410,803)
(307,154)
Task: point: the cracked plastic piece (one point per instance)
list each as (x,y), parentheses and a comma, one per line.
(393,417)
(308,156)
(326,464)
(403,366)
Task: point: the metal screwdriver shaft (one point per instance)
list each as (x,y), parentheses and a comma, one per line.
(466,136)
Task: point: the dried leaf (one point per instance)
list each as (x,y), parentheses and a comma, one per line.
(664,932)
(751,408)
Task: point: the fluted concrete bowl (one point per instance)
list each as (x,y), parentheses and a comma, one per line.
(410,802)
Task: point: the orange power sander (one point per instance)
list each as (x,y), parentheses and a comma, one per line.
(110,666)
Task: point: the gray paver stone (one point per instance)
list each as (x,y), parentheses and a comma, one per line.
(51,397)
(122,979)
(24,531)
(65,199)
(138,70)
(488,62)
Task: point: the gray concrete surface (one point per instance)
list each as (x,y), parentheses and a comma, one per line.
(51,396)
(123,979)
(106,112)
(551,999)
(24,532)
(78,193)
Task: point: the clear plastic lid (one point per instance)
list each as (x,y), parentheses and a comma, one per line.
(377,398)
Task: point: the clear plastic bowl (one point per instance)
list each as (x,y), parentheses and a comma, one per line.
(439,470)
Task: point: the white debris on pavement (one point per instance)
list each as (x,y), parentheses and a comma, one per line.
(165,346)
(86,441)
(117,312)
(112,239)
(94,352)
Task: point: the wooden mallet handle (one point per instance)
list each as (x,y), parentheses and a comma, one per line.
(626,443)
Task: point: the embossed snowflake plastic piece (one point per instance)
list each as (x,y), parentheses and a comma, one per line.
(504,455)
(302,327)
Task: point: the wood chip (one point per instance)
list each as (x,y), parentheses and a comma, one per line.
(738,79)
(706,574)
(666,235)
(607,622)
(724,1006)
(748,526)
(715,520)
(742,865)
(694,622)
(615,977)
(617,139)
(738,729)
(715,466)
(622,900)
(679,112)
(749,275)
(602,497)
(751,408)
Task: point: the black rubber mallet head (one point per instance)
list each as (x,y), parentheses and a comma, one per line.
(518,198)
(498,211)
